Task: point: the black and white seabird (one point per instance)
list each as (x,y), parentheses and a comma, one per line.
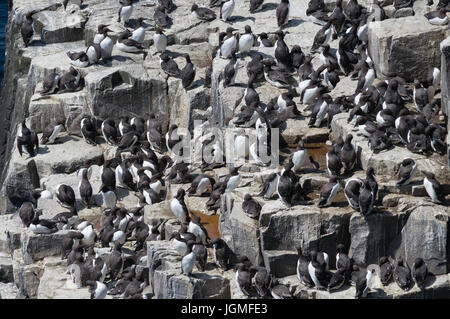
(246,40)
(386,270)
(419,272)
(88,131)
(196,227)
(106,44)
(126,44)
(337,18)
(50,83)
(351,192)
(65,195)
(297,57)
(437,135)
(201,184)
(264,41)
(370,177)
(172,137)
(99,36)
(27,138)
(438,17)
(231,70)
(433,188)
(363,282)
(201,254)
(406,172)
(250,95)
(231,181)
(314,163)
(161,18)
(109,131)
(302,269)
(42,226)
(334,164)
(221,253)
(329,191)
(366,198)
(262,279)
(343,262)
(228,45)
(85,189)
(251,207)
(255,5)
(282,13)
(169,66)
(107,175)
(97,289)
(125,12)
(178,206)
(337,280)
(318,272)
(402,275)
(51,132)
(298,157)
(138,34)
(270,186)
(188,261)
(159,40)
(285,186)
(26,213)
(322,37)
(275,77)
(27,29)
(78,59)
(114,262)
(420,95)
(70,81)
(319,110)
(203,13)
(94,53)
(282,54)
(187,73)
(243,279)
(226,9)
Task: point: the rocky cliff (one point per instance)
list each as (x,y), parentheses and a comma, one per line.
(406,223)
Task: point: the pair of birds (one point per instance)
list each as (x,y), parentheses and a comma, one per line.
(170,67)
(70,81)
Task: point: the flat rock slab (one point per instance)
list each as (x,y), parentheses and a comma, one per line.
(435,287)
(240,232)
(387,162)
(56,284)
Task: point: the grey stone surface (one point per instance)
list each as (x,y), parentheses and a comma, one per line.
(371,236)
(425,235)
(445,86)
(240,232)
(387,162)
(389,40)
(168,283)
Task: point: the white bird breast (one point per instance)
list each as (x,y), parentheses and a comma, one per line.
(125,13)
(125,48)
(188,263)
(177,209)
(107,47)
(227,9)
(246,42)
(160,41)
(138,35)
